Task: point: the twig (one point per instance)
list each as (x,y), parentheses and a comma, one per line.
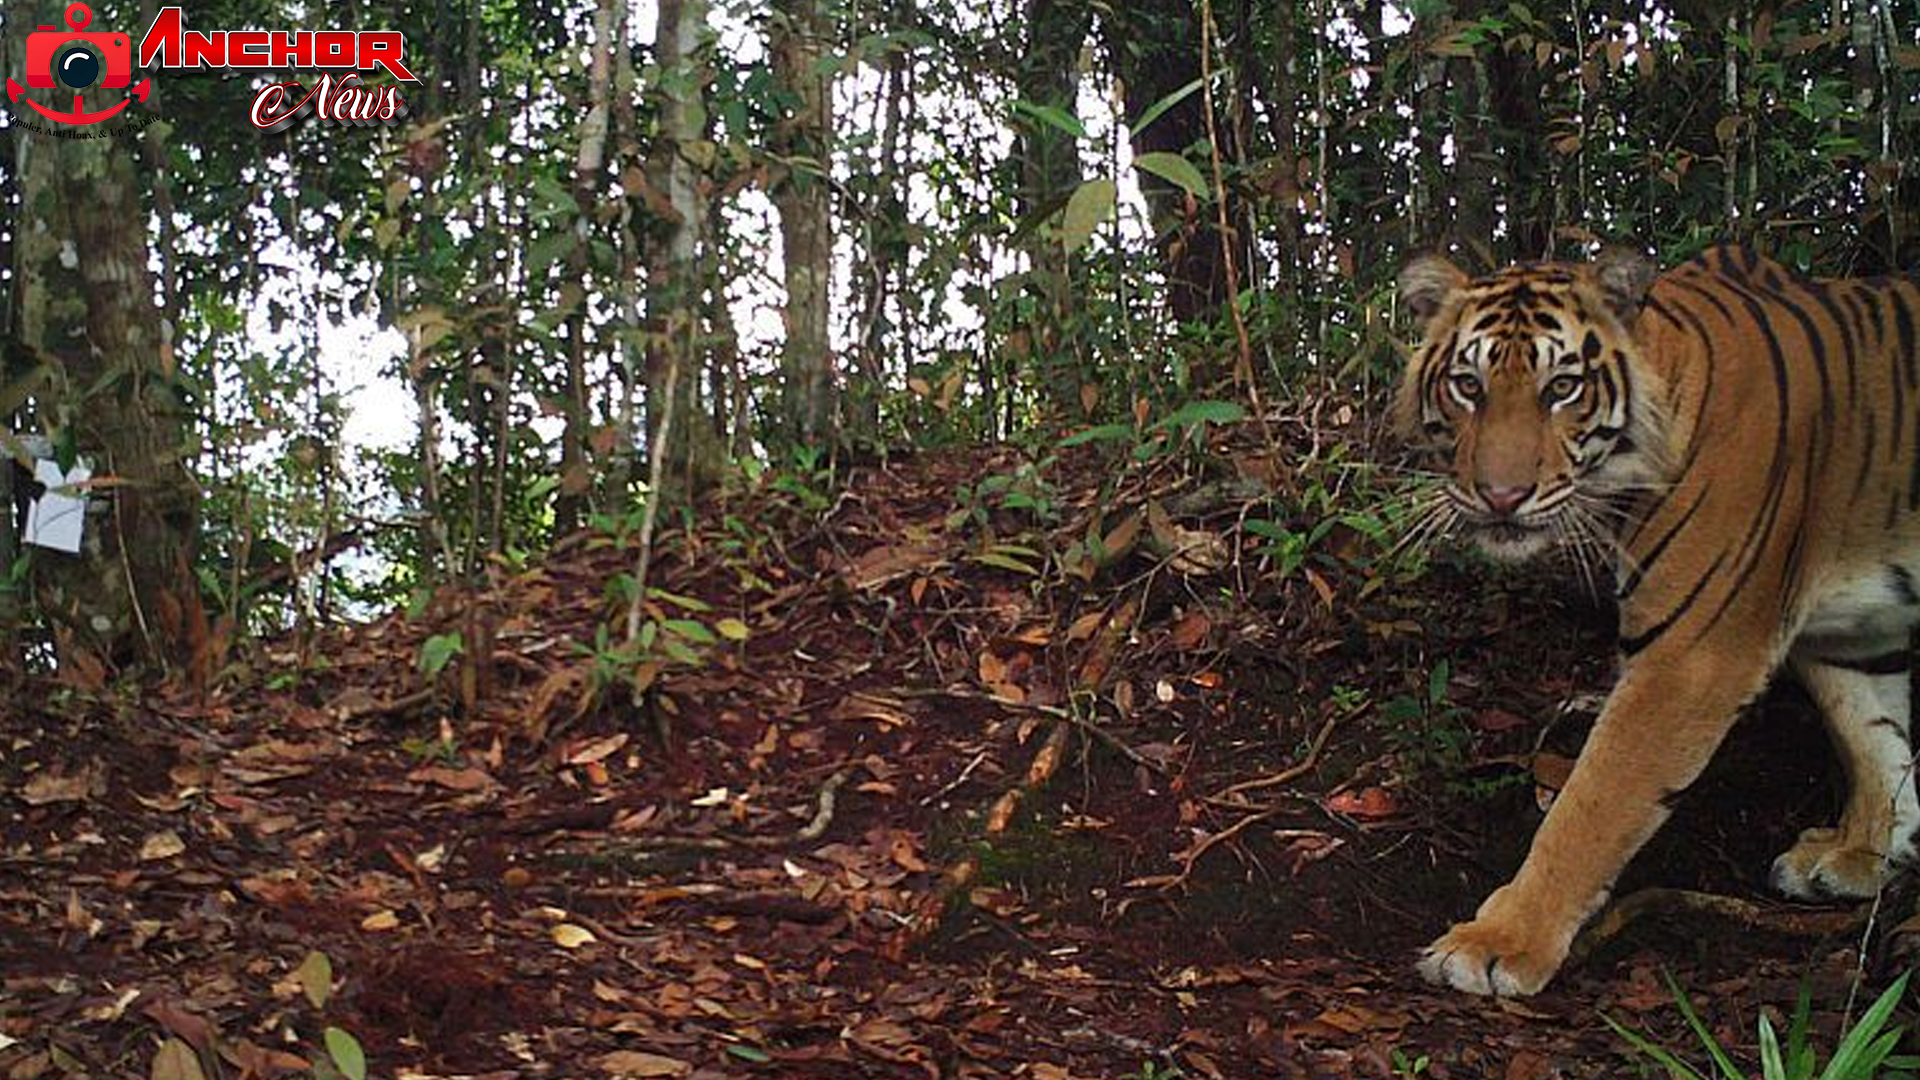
(1050,711)
(825,804)
(823,808)
(1284,776)
(1192,855)
(949,787)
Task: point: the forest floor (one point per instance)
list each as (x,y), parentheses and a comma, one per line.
(883,835)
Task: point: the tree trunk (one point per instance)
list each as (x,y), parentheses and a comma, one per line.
(133,598)
(673,273)
(1157,50)
(804,139)
(576,477)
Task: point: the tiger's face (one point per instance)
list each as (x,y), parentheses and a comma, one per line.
(1527,391)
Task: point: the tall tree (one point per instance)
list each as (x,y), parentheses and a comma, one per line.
(86,309)
(803,142)
(677,427)
(1156,48)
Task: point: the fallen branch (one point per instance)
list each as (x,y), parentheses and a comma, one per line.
(1798,922)
(1191,857)
(1224,797)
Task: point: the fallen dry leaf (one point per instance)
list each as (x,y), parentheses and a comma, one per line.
(1368,804)
(161,845)
(452,779)
(53,787)
(569,936)
(639,1063)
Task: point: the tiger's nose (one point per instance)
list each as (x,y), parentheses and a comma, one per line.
(1503,501)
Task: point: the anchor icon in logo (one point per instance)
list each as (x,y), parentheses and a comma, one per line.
(79,61)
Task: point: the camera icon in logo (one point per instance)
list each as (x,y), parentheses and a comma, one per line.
(75,60)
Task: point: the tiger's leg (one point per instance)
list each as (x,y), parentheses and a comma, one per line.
(1866,705)
(1659,728)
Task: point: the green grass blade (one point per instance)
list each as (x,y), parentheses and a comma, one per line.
(1677,1069)
(1850,1060)
(1719,1056)
(1772,1066)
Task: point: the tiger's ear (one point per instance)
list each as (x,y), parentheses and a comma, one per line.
(1624,276)
(1425,284)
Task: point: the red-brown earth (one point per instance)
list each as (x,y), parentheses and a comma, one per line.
(929,818)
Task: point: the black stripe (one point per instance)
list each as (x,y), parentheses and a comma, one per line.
(1757,540)
(1903,584)
(1824,297)
(1892,663)
(1632,644)
(1903,330)
(1867,460)
(1640,565)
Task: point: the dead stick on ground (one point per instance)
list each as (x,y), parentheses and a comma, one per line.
(825,804)
(1284,776)
(1298,769)
(1051,712)
(1797,922)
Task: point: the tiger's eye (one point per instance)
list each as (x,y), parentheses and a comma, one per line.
(1467,385)
(1564,388)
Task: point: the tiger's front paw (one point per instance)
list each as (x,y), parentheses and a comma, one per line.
(1488,956)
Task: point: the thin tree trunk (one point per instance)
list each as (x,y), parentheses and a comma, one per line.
(576,476)
(673,285)
(806,219)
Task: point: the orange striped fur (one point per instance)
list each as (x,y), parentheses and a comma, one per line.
(1744,446)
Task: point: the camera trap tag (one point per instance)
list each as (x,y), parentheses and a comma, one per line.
(58,516)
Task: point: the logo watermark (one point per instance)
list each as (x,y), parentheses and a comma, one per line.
(78,59)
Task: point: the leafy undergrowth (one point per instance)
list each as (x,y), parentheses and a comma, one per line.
(923,806)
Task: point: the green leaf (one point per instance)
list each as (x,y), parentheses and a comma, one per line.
(1091,203)
(1159,108)
(1272,530)
(1864,1046)
(1771,1063)
(347,1056)
(1004,561)
(437,651)
(749,1053)
(549,249)
(733,629)
(1174,169)
(1051,116)
(315,976)
(1676,1069)
(1202,412)
(690,629)
(684,603)
(681,651)
(1437,680)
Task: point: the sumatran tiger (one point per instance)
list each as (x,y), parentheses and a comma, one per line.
(1745,443)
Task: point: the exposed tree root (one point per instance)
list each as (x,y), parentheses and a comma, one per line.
(1771,918)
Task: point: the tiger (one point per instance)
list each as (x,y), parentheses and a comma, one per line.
(1743,442)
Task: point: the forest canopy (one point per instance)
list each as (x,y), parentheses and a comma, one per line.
(619,250)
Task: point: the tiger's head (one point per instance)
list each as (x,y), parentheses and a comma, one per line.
(1528,391)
